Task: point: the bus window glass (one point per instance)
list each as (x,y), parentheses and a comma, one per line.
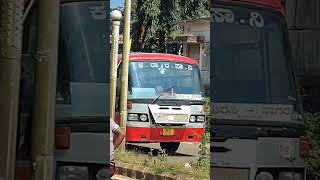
(250,62)
(158,76)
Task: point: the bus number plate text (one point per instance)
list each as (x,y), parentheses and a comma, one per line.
(168,132)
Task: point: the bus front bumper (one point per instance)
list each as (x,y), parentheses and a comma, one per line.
(144,134)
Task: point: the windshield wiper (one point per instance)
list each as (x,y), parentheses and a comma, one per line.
(292,98)
(156,99)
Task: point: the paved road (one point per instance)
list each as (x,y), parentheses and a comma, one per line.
(119,177)
(187,152)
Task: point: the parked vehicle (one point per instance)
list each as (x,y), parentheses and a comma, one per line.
(82,92)
(258,131)
(165,100)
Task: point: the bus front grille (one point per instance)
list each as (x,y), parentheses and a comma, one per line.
(171,118)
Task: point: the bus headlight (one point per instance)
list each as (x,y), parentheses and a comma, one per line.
(133,117)
(143,117)
(264,176)
(105,173)
(192,118)
(72,172)
(200,118)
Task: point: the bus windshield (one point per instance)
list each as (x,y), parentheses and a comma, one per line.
(149,79)
(82,80)
(83,42)
(250,58)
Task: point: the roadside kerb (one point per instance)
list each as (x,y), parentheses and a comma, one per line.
(138,172)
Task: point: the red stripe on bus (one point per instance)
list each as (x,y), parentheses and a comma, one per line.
(136,57)
(143,134)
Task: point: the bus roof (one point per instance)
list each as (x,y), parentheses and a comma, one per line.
(271,4)
(136,57)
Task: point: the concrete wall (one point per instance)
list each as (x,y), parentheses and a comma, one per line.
(199,28)
(202,28)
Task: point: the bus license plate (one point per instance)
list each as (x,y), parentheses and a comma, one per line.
(286,150)
(168,132)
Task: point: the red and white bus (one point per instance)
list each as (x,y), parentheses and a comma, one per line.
(165,100)
(258,131)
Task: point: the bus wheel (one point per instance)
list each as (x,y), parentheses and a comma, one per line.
(170,147)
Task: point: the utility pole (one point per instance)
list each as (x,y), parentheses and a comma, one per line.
(43,123)
(11,26)
(125,68)
(116,19)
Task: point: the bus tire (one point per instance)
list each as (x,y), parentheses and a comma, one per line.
(170,147)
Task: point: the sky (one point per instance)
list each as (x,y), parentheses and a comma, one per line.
(116,3)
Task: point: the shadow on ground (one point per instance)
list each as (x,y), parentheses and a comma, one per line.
(146,150)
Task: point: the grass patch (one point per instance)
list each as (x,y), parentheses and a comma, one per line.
(159,165)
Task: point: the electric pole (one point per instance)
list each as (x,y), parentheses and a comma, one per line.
(116,17)
(43,122)
(125,68)
(11,26)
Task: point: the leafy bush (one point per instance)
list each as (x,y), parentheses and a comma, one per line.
(204,153)
(207,106)
(312,123)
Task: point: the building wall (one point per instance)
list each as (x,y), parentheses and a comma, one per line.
(199,28)
(202,28)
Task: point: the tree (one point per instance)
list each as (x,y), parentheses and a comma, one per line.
(155,20)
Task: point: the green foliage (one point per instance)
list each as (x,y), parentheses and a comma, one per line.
(207,100)
(312,123)
(194,8)
(207,104)
(204,153)
(155,20)
(160,165)
(162,156)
